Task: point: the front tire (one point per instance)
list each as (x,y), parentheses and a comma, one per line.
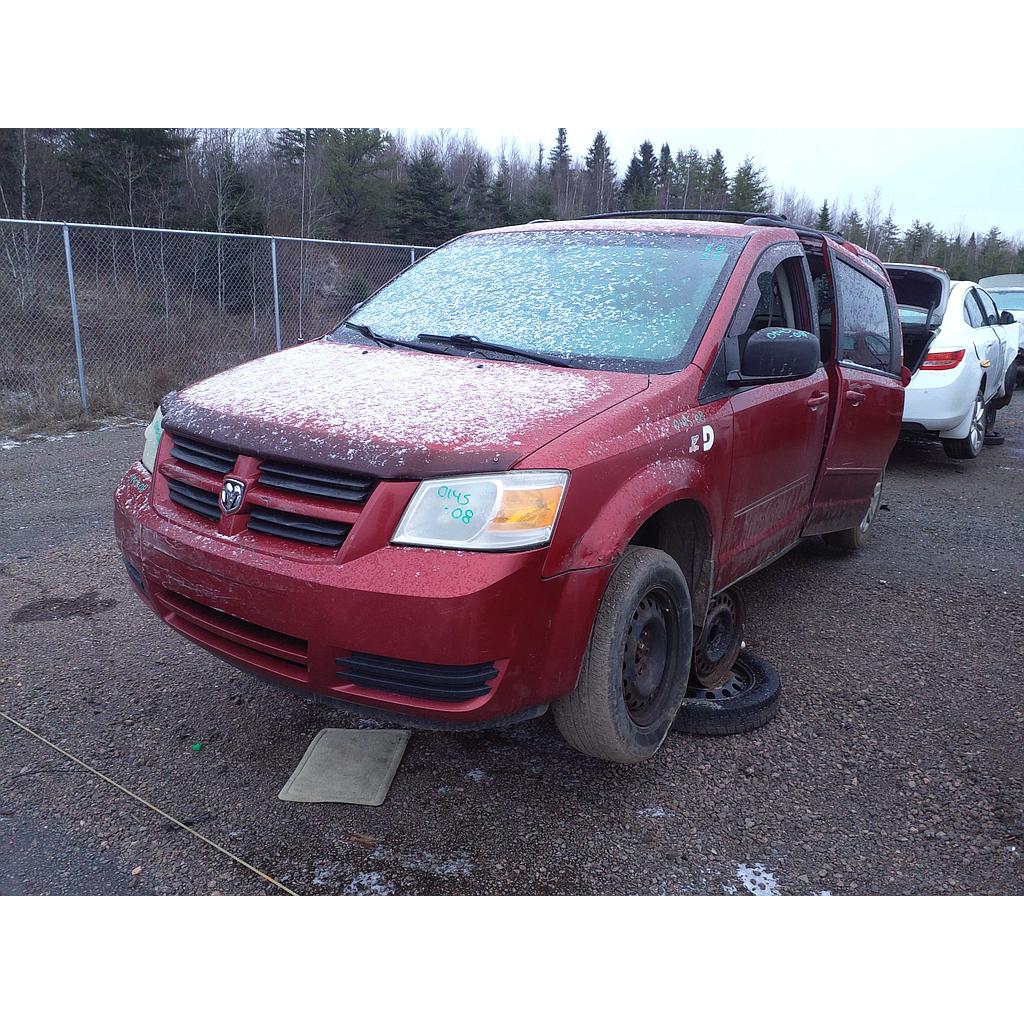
(635,669)
(969,447)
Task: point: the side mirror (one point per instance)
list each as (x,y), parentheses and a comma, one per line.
(1006,318)
(777,354)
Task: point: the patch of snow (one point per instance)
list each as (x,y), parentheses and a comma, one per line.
(369,883)
(477,775)
(424,862)
(757,880)
(652,812)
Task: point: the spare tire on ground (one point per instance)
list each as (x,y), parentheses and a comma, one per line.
(749,697)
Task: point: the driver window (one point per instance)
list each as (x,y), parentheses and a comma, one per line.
(778,300)
(988,308)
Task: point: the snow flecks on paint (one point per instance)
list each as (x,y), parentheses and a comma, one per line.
(333,390)
(757,880)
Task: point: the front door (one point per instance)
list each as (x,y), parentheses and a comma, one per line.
(778,429)
(864,375)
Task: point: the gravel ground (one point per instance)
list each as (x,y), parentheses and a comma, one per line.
(896,765)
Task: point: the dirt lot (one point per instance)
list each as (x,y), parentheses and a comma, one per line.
(896,765)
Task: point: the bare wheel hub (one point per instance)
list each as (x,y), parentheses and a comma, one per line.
(649,640)
(720,641)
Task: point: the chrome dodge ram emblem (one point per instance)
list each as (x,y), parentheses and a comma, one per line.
(231,495)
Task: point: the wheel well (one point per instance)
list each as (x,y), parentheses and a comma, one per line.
(682,531)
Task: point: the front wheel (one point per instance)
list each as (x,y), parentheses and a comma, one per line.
(856,537)
(636,666)
(969,447)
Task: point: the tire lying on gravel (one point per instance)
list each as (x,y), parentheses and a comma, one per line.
(637,663)
(749,698)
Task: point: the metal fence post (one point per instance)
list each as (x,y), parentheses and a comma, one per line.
(277,301)
(82,389)
(412,255)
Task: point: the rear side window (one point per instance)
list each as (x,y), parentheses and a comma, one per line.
(865,331)
(972,311)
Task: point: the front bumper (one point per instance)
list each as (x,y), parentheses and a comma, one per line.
(393,617)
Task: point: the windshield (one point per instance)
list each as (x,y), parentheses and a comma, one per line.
(627,300)
(1013,301)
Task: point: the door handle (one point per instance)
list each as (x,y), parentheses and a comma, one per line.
(855,397)
(817,400)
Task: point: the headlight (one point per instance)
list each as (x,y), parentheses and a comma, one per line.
(153,434)
(484,513)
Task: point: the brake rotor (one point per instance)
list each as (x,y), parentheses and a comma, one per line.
(720,641)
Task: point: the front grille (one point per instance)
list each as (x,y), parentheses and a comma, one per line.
(201,502)
(417,679)
(325,532)
(322,483)
(203,454)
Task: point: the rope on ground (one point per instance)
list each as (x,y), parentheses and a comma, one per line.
(152,807)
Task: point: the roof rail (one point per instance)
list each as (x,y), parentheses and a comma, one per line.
(764,220)
(746,214)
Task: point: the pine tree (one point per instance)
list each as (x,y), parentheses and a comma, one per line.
(475,199)
(716,185)
(824,221)
(560,165)
(749,190)
(639,184)
(852,227)
(499,202)
(665,176)
(600,175)
(691,171)
(424,209)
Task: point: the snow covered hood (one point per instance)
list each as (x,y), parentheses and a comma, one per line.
(392,412)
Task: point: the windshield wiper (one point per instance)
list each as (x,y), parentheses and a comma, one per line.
(368,332)
(471,342)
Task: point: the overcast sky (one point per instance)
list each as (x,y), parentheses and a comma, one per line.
(939,175)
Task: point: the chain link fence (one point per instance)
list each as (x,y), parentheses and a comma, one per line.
(98,320)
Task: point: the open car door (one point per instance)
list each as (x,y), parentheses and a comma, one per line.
(866,387)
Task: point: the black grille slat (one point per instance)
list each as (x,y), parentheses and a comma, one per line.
(323,483)
(201,502)
(324,532)
(417,679)
(203,454)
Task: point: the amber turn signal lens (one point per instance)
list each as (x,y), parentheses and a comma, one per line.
(527,509)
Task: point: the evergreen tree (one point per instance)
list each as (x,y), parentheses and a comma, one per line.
(560,164)
(889,240)
(476,202)
(665,176)
(716,184)
(691,171)
(852,227)
(424,207)
(824,221)
(640,182)
(540,201)
(600,176)
(749,189)
(359,165)
(122,172)
(499,199)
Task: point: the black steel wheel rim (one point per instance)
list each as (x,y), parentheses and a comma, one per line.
(740,680)
(649,655)
(720,640)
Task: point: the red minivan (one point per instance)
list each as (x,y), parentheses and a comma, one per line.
(520,473)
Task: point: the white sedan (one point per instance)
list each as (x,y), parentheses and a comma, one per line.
(960,357)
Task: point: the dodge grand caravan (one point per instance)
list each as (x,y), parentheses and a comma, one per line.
(519,474)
